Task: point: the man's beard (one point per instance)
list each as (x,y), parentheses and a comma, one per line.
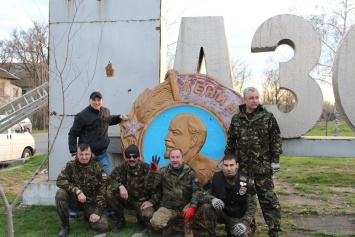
(230,175)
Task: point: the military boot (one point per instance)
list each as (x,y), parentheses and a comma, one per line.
(168,230)
(274,233)
(121,223)
(140,223)
(65,228)
(188,231)
(212,233)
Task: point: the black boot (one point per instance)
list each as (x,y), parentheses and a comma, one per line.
(121,222)
(65,230)
(274,233)
(212,233)
(140,223)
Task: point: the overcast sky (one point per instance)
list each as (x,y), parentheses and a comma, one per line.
(242,18)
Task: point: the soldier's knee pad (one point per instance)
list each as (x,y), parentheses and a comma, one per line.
(101,225)
(160,218)
(147,214)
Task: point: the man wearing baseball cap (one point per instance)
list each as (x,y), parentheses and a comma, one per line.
(91,127)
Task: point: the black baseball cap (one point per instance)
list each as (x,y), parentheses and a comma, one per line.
(95,94)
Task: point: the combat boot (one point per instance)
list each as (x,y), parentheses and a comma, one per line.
(212,233)
(140,223)
(168,230)
(273,233)
(188,231)
(121,223)
(65,229)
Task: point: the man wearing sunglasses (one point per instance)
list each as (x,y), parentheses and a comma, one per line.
(126,188)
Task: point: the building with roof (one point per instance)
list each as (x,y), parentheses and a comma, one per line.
(8,91)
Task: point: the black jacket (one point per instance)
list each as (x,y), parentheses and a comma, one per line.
(91,127)
(234,196)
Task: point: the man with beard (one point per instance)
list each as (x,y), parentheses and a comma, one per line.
(127,187)
(233,200)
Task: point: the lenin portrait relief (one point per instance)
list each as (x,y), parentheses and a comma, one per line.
(188,132)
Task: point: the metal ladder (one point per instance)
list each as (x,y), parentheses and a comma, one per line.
(20,108)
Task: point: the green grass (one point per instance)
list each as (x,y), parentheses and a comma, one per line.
(321,129)
(312,177)
(40,131)
(318,171)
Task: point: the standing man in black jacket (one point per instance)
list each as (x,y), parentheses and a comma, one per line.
(91,127)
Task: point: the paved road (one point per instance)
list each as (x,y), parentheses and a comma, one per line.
(41,143)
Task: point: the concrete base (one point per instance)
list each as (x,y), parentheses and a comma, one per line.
(321,146)
(42,192)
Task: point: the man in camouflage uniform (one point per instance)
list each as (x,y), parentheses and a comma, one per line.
(82,186)
(254,136)
(126,188)
(178,191)
(232,200)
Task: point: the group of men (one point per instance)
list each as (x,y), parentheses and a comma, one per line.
(160,196)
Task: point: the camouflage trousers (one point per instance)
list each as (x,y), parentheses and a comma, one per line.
(269,203)
(65,200)
(211,217)
(164,216)
(117,204)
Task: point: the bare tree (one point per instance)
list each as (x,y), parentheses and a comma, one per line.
(242,73)
(272,93)
(331,26)
(25,55)
(328,114)
(31,48)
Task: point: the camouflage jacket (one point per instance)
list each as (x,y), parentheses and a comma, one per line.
(257,141)
(89,178)
(176,191)
(240,200)
(134,180)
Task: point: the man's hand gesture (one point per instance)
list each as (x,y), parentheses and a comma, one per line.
(154,163)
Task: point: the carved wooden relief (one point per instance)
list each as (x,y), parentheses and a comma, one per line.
(189,111)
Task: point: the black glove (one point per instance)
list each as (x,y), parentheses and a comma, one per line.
(154,163)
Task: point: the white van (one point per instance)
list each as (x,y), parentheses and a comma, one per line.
(16,143)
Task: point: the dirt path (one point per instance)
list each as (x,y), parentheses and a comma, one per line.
(323,215)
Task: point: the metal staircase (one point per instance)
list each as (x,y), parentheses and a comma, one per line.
(17,110)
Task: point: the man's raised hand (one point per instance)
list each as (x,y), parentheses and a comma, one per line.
(154,163)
